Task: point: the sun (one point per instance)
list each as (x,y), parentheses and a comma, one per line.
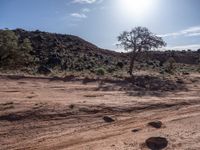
(136,8)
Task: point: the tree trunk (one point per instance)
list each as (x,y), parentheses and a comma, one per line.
(132,63)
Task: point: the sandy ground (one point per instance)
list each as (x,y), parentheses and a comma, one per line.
(48,114)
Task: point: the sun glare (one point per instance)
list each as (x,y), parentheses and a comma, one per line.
(137,8)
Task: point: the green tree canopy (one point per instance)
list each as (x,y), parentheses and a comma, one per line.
(14,53)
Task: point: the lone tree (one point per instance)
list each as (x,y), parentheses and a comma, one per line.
(137,40)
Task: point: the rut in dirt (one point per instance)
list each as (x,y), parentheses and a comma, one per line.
(84,111)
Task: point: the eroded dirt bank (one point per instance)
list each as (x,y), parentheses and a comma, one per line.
(41,113)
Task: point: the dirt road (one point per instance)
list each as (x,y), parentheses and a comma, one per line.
(42,113)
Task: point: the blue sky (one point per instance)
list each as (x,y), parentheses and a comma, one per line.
(101,21)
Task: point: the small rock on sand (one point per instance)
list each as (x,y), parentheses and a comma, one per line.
(136,130)
(155,124)
(108,119)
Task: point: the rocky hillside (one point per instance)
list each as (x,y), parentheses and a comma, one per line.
(71,53)
(184,57)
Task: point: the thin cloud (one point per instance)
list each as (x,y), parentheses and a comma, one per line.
(84,1)
(87,1)
(78,15)
(192,31)
(100,1)
(81,14)
(85,10)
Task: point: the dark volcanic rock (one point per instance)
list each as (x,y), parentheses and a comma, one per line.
(155,124)
(136,130)
(108,119)
(187,57)
(156,143)
(68,52)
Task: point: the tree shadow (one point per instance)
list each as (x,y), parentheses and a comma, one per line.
(142,85)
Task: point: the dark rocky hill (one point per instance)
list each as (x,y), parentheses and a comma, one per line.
(72,53)
(184,57)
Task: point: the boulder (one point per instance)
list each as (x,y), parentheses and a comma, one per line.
(155,124)
(156,143)
(108,119)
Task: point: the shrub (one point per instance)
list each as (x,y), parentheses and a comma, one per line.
(14,53)
(8,46)
(100,71)
(170,65)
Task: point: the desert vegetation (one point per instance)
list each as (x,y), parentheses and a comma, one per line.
(36,52)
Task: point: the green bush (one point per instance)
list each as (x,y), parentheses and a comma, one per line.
(8,44)
(100,71)
(14,53)
(170,65)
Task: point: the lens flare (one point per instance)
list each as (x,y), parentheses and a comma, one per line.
(137,8)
